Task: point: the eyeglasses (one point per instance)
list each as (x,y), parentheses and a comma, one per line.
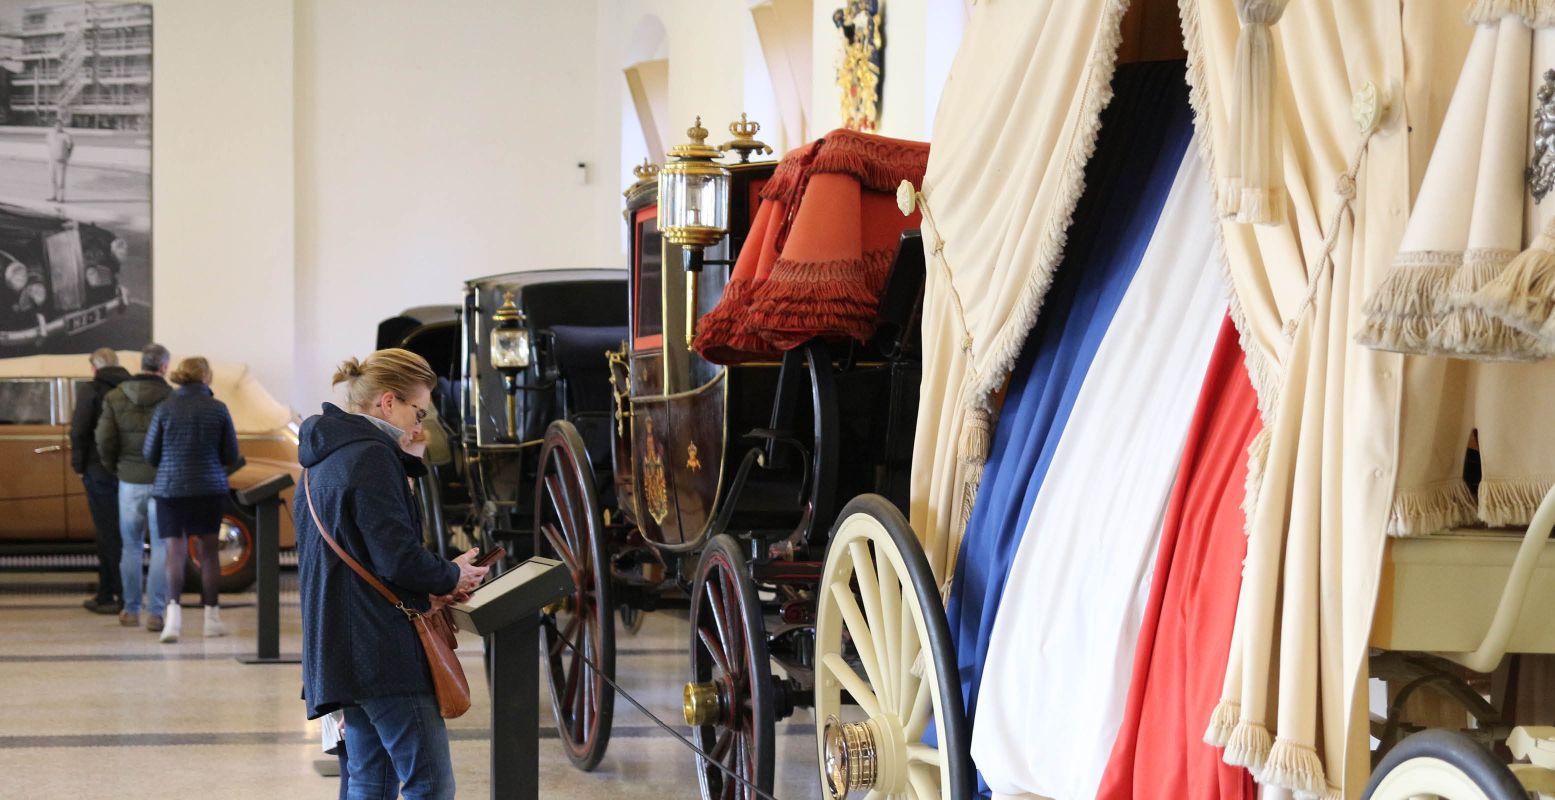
(421,413)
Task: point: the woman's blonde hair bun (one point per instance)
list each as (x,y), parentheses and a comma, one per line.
(393,370)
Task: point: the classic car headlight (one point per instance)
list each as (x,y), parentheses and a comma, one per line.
(98,277)
(120,249)
(16,276)
(37,294)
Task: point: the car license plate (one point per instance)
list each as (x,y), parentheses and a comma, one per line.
(81,320)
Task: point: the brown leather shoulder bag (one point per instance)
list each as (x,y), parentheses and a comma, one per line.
(436,629)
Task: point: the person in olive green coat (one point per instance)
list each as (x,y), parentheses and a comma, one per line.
(121,436)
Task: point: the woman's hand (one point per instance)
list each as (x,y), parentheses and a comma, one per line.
(470,576)
(414,442)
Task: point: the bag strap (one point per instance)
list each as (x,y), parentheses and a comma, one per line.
(355,565)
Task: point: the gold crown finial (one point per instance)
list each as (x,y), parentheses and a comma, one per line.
(645,170)
(744,141)
(696,132)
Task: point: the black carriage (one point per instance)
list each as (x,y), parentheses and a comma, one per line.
(719,485)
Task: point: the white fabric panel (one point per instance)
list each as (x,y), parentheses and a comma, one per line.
(1062,648)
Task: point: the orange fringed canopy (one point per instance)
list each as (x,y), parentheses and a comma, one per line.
(820,248)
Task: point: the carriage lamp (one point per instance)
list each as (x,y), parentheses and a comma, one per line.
(510,353)
(693,207)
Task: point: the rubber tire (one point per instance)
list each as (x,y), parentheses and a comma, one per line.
(241,579)
(564,436)
(1476,763)
(724,552)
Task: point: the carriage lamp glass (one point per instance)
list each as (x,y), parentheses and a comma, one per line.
(510,338)
(694,193)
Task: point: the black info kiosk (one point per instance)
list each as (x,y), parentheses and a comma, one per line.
(507,612)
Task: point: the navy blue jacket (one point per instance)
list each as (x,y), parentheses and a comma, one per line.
(191,443)
(355,645)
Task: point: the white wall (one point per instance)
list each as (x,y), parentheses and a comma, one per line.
(222,184)
(435,144)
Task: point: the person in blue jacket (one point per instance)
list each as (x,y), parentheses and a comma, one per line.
(359,652)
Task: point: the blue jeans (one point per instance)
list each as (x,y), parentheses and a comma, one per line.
(394,740)
(135,512)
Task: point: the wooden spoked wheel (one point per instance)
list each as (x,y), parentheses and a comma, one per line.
(882,637)
(568,527)
(728,702)
(1442,764)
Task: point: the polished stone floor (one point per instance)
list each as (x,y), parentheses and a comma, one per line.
(92,710)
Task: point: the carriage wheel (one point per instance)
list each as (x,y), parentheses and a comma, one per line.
(568,527)
(729,701)
(1444,764)
(901,640)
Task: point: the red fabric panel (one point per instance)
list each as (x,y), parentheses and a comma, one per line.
(1181,658)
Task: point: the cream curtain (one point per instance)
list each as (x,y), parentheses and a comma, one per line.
(1293,710)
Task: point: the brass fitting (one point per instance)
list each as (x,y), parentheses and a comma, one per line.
(851,757)
(701,705)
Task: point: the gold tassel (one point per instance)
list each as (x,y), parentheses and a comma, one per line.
(1248,746)
(1295,767)
(1221,723)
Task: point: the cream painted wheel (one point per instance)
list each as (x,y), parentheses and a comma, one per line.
(1442,764)
(882,637)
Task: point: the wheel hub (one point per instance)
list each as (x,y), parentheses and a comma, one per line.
(701,703)
(851,757)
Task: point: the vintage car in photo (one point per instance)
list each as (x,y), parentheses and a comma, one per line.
(43,507)
(57,276)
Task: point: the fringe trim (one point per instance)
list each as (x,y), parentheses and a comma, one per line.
(1257,462)
(1261,369)
(1332,793)
(1523,295)
(878,162)
(1537,13)
(1409,303)
(1228,201)
(1468,331)
(801,300)
(1006,344)
(1221,723)
(1248,746)
(1509,503)
(1295,767)
(1260,205)
(1432,508)
(724,335)
(972,451)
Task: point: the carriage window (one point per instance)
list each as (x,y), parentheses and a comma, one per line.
(649,317)
(25,401)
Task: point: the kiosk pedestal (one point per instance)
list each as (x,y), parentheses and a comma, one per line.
(507,612)
(265,499)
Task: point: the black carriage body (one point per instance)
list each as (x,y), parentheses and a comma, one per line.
(764,449)
(574,316)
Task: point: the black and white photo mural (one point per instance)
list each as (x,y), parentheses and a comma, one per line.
(75,176)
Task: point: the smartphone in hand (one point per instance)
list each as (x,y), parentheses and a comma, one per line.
(489,557)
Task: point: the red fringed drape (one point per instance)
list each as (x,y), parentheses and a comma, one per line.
(1180,661)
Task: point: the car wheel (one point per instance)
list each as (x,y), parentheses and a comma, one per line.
(236,552)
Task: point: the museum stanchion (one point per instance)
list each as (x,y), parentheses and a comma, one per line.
(507,612)
(265,499)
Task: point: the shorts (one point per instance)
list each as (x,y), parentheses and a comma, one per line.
(190,516)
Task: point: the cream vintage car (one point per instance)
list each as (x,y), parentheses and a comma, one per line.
(43,507)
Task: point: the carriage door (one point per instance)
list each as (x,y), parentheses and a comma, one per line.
(33,460)
(652,431)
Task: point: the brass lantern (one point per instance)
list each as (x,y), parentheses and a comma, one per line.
(694,193)
(510,354)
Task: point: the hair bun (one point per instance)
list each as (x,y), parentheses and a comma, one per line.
(350,369)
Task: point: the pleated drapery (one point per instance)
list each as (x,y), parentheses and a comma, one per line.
(1186,634)
(1061,651)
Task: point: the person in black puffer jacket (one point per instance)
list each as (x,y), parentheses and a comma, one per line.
(102,487)
(193,444)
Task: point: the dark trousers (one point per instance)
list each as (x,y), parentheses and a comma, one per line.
(102,498)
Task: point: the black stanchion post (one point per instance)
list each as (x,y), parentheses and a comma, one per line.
(265,498)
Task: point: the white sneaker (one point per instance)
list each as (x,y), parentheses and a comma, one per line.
(213,624)
(172,622)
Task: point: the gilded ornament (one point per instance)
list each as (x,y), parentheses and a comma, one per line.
(691,458)
(655,489)
(1541,168)
(861,64)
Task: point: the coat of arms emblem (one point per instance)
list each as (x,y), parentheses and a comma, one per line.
(655,492)
(861,65)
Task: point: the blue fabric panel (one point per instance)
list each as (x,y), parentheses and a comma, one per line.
(1145,132)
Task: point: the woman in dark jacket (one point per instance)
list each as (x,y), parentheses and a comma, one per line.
(193,444)
(359,652)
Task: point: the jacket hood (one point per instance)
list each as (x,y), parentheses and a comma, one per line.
(146,390)
(333,429)
(111,376)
